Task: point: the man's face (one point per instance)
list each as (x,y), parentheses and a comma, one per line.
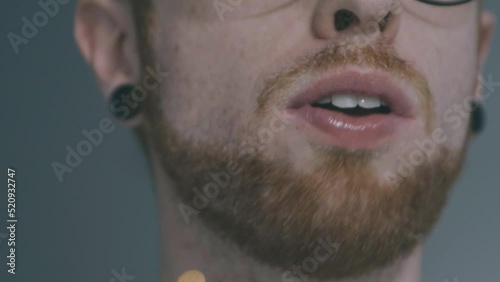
(299,122)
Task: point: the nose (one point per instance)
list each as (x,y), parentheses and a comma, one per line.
(346,19)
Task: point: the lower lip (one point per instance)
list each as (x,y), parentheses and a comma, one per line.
(351,132)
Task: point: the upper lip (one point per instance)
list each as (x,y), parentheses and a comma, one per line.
(371,83)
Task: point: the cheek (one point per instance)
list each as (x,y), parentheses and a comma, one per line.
(210,92)
(447,57)
(454,89)
(216,72)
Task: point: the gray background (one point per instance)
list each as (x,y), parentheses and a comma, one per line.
(102,217)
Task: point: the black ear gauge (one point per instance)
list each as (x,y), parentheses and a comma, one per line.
(122,104)
(478,117)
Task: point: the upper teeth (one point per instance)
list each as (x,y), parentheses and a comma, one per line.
(348,101)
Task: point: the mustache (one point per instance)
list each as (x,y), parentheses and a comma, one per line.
(378,56)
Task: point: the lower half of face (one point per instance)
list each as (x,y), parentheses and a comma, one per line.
(347,145)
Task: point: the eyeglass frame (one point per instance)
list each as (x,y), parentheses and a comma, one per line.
(443,4)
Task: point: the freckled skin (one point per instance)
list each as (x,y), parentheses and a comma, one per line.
(242,52)
(210,106)
(226,60)
(230,74)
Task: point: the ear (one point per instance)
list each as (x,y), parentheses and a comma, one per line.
(486,29)
(105,34)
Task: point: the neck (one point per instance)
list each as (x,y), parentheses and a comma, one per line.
(187,245)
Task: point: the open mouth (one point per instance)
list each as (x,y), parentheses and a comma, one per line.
(353,110)
(353,105)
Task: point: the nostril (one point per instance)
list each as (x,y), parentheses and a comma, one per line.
(385,21)
(344,18)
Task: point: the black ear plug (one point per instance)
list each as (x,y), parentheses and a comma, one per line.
(122,104)
(478,118)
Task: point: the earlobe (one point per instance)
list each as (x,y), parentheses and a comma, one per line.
(105,34)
